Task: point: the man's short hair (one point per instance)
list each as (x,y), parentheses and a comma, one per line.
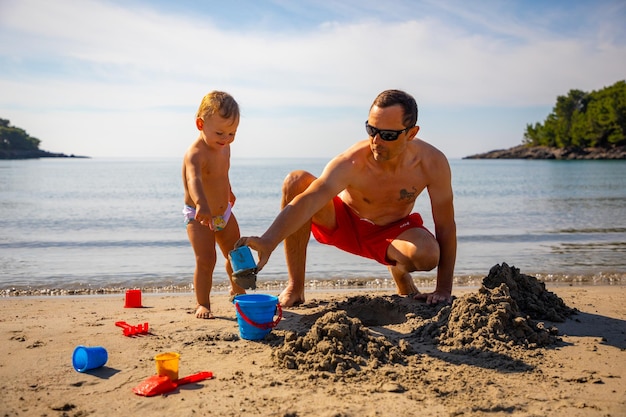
(390,98)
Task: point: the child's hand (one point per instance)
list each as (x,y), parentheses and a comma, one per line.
(204,218)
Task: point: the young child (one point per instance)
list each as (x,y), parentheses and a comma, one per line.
(208,195)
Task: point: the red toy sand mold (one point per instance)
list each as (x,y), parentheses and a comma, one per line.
(156,385)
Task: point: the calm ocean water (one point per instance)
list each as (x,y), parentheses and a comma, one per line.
(92,223)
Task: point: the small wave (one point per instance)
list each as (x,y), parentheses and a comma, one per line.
(593,230)
(95,244)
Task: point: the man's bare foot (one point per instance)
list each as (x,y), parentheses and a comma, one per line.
(203,312)
(288,298)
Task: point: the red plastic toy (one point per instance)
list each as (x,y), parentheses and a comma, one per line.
(133,330)
(156,385)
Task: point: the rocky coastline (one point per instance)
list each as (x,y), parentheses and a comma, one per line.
(34,154)
(545,152)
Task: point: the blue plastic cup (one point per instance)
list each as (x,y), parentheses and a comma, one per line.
(242,261)
(86,358)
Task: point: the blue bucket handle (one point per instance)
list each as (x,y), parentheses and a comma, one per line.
(262,326)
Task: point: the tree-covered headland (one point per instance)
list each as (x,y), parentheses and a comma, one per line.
(581,126)
(15,143)
(14,138)
(596,119)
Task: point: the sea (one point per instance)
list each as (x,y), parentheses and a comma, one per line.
(91,225)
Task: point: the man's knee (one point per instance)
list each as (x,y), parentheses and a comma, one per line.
(416,249)
(425,256)
(295,183)
(430,260)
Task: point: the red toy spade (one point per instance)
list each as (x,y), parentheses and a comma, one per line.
(157,385)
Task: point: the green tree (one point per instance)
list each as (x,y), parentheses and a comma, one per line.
(583,119)
(14,138)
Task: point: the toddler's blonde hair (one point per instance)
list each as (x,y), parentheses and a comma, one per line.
(218,102)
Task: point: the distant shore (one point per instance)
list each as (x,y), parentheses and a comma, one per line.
(34,154)
(546,152)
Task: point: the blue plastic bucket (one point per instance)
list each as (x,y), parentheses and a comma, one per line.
(86,358)
(255,315)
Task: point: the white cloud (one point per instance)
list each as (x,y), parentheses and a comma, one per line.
(130,77)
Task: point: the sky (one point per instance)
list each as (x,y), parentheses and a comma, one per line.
(124,78)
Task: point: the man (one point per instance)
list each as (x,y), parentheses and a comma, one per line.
(362,203)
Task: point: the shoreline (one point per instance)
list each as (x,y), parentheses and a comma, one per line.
(569,153)
(330,284)
(309,292)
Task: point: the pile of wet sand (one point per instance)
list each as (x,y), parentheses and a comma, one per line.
(489,320)
(338,343)
(529,293)
(501,316)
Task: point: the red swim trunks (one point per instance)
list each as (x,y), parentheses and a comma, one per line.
(362,237)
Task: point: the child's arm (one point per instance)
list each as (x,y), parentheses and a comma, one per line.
(196,190)
(232,197)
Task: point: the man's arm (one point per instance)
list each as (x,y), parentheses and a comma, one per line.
(298,212)
(301,209)
(441,199)
(445,232)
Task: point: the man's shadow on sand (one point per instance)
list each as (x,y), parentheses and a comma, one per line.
(611,331)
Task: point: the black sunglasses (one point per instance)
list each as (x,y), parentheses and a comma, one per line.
(386,135)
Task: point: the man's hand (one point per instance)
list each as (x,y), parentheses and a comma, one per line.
(257,244)
(435,297)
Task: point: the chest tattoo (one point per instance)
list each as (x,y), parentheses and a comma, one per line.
(408,195)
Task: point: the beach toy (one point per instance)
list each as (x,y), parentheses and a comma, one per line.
(242,261)
(255,314)
(86,358)
(133,299)
(244,267)
(156,384)
(132,330)
(167,365)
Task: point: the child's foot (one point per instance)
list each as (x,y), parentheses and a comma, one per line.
(235,291)
(203,312)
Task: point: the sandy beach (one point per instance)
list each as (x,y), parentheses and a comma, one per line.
(342,353)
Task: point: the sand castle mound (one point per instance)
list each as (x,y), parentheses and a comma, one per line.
(337,343)
(529,293)
(489,320)
(502,315)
